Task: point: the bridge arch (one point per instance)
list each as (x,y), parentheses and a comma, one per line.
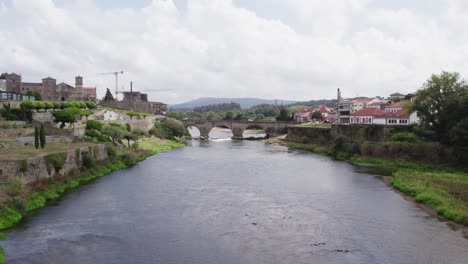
(254,130)
(194,131)
(221,131)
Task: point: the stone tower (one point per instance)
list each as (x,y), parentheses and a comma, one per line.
(49,89)
(78,82)
(78,88)
(13,83)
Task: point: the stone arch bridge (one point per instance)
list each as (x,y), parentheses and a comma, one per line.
(237,127)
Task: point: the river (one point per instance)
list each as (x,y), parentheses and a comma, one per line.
(235,202)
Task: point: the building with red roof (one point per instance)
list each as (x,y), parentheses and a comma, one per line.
(395,107)
(304,115)
(380,117)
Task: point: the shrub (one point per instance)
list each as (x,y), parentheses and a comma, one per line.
(56,105)
(404,137)
(140,132)
(28,105)
(102,138)
(23,165)
(111,150)
(128,158)
(91,105)
(89,161)
(15,185)
(20,204)
(48,105)
(57,160)
(168,128)
(40,105)
(93,125)
(91,133)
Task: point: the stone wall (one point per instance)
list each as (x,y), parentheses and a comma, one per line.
(16,132)
(309,134)
(38,168)
(373,133)
(42,117)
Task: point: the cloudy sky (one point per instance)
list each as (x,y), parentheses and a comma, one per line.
(275,49)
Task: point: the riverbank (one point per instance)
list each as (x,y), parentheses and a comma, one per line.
(442,189)
(24,199)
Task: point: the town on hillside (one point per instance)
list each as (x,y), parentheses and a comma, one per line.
(13,88)
(389,111)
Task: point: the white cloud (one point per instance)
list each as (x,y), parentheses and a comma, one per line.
(215,48)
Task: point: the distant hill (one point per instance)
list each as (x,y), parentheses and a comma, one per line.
(244,102)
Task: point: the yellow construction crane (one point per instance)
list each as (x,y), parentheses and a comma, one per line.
(116,74)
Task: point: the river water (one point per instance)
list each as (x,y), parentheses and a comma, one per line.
(235,202)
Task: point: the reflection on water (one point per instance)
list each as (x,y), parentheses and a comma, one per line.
(235,202)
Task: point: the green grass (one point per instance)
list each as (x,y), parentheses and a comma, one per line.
(2,256)
(445,192)
(315,148)
(322,125)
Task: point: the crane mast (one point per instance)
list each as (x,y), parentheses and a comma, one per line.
(116,74)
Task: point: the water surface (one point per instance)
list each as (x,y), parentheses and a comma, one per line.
(235,202)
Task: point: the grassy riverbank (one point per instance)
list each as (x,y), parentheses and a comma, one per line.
(26,199)
(442,188)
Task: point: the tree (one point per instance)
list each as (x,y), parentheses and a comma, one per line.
(129,136)
(85,112)
(115,133)
(36,137)
(3,76)
(36,94)
(39,105)
(28,105)
(63,117)
(93,125)
(229,115)
(128,127)
(91,105)
(42,137)
(439,104)
(108,97)
(48,105)
(317,115)
(131,114)
(211,116)
(168,128)
(283,115)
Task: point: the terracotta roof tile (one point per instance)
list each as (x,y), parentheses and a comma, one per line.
(395,105)
(369,112)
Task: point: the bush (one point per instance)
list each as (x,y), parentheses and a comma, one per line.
(15,185)
(140,132)
(93,125)
(404,137)
(23,165)
(128,158)
(89,161)
(168,128)
(56,160)
(91,133)
(20,204)
(111,150)
(40,105)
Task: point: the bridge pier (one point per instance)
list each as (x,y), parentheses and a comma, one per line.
(237,131)
(204,132)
